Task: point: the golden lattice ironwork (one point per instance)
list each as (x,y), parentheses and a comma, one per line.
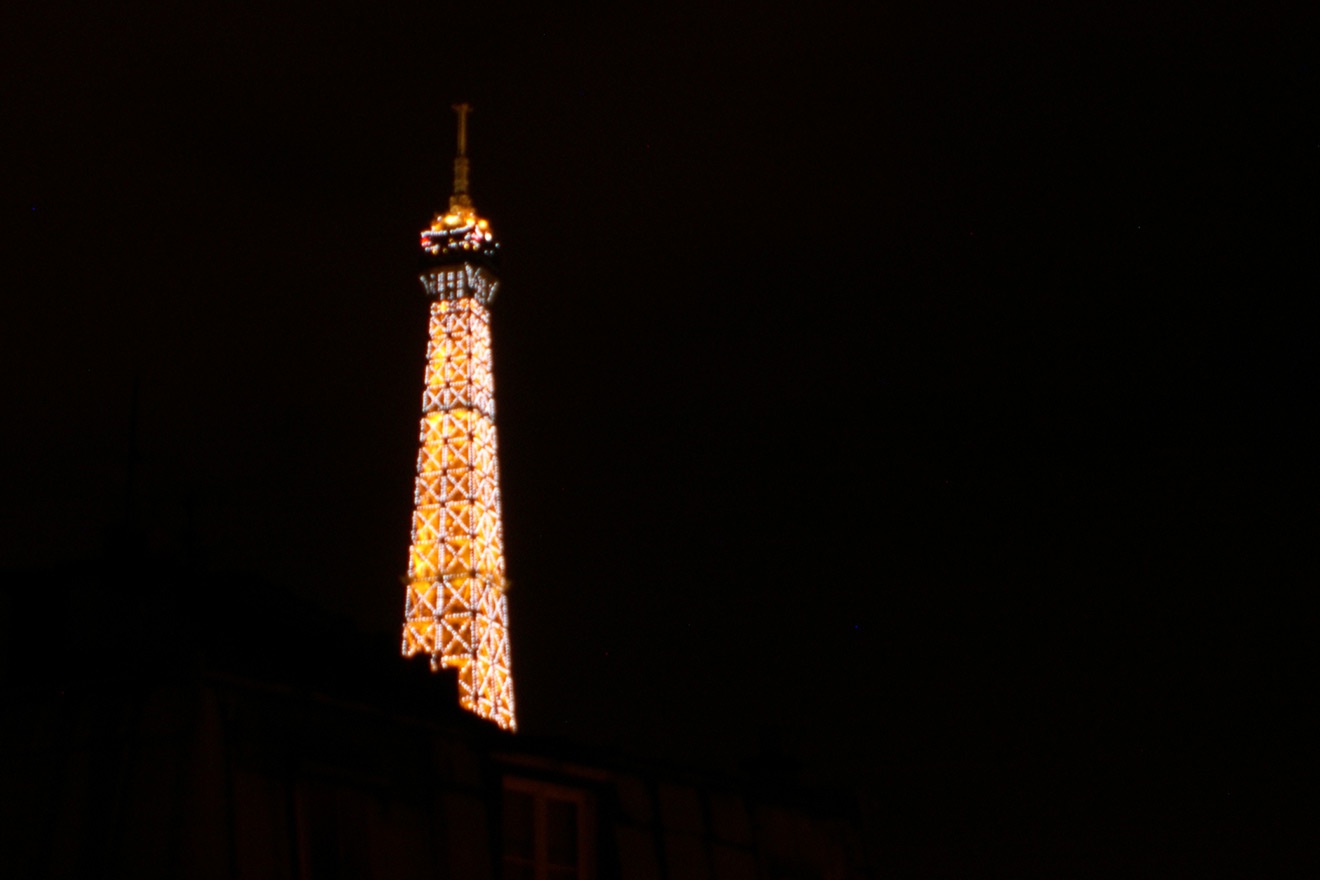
(456,609)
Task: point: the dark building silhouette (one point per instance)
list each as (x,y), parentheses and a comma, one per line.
(187,744)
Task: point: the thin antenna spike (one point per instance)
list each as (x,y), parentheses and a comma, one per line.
(460,197)
(462,110)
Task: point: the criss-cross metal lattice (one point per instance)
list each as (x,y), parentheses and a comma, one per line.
(456,609)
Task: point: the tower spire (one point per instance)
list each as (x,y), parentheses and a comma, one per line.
(460,198)
(456,608)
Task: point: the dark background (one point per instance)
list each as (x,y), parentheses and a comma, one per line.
(919,393)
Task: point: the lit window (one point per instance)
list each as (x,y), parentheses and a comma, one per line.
(547,832)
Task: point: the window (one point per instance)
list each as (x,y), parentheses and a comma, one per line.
(546,832)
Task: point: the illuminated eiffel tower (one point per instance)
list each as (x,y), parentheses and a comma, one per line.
(456,609)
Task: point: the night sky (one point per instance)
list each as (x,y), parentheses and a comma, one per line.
(921,393)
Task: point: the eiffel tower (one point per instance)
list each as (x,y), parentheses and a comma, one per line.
(456,609)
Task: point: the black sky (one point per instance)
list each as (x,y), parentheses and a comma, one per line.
(926,388)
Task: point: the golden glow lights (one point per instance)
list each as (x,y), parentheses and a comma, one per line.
(456,608)
(460,232)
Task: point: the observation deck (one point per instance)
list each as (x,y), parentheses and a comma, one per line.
(459,236)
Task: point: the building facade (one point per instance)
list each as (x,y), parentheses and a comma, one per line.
(256,763)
